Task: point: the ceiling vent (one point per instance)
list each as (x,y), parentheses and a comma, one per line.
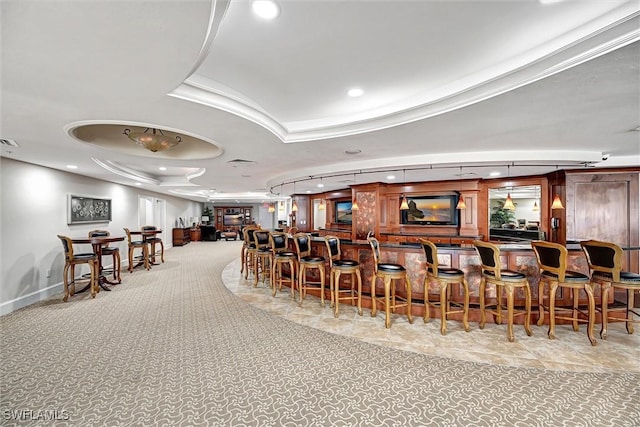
(8,142)
(241,162)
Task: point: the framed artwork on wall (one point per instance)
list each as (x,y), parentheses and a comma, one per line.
(84,209)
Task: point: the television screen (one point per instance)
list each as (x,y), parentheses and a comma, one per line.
(431,210)
(232,219)
(343,212)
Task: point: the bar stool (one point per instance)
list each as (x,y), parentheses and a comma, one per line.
(262,257)
(246,243)
(389,273)
(249,250)
(445,276)
(306,261)
(337,267)
(605,263)
(494,274)
(152,240)
(72,259)
(552,260)
(279,243)
(137,244)
(109,250)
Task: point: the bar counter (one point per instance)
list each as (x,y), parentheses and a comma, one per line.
(518,257)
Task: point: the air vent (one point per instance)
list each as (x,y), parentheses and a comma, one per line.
(241,162)
(8,142)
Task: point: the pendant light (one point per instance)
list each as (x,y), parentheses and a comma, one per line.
(404,205)
(536,208)
(557,203)
(294,205)
(461,204)
(508,204)
(354,204)
(321,206)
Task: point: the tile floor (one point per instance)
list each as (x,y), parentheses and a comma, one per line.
(570,351)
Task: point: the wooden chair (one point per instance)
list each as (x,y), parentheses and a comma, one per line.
(249,249)
(306,261)
(72,259)
(389,273)
(262,259)
(137,244)
(605,263)
(552,260)
(445,277)
(109,250)
(247,241)
(279,243)
(493,274)
(153,240)
(337,267)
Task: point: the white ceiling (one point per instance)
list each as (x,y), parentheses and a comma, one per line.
(473,84)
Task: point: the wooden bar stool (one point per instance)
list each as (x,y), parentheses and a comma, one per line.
(605,263)
(552,260)
(246,243)
(152,241)
(445,277)
(109,250)
(249,251)
(72,259)
(389,273)
(262,259)
(279,243)
(494,274)
(340,266)
(306,261)
(137,244)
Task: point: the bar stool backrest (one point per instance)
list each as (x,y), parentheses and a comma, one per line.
(552,258)
(100,233)
(431,254)
(333,248)
(247,234)
(303,244)
(375,248)
(279,241)
(67,245)
(489,257)
(261,238)
(603,257)
(128,233)
(148,228)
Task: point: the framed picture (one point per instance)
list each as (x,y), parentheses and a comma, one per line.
(83,209)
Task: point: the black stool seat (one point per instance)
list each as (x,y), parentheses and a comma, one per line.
(85,256)
(345,263)
(390,267)
(625,277)
(569,276)
(285,254)
(315,259)
(450,272)
(506,275)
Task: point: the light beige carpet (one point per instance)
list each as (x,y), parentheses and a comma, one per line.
(173,346)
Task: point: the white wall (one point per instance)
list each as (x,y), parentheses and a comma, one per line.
(34,212)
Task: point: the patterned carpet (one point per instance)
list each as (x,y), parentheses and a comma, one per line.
(173,346)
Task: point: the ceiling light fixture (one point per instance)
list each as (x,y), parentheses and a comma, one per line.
(355,92)
(508,204)
(272,208)
(461,204)
(354,204)
(321,206)
(404,205)
(557,203)
(153,141)
(265,9)
(294,204)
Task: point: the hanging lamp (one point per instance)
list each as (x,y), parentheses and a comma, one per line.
(461,204)
(508,204)
(557,203)
(404,205)
(294,204)
(354,204)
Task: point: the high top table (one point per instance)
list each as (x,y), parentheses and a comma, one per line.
(97,243)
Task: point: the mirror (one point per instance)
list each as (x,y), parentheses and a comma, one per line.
(525,214)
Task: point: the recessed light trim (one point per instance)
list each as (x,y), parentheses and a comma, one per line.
(390,177)
(265,9)
(72,167)
(355,92)
(162,168)
(494,174)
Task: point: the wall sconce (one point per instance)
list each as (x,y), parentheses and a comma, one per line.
(557,203)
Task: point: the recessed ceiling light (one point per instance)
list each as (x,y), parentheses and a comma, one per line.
(138,183)
(353,151)
(549,1)
(355,92)
(72,167)
(391,177)
(494,174)
(265,9)
(162,168)
(320,185)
